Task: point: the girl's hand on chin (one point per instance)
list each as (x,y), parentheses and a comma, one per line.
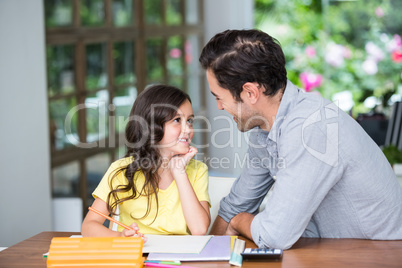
(178,163)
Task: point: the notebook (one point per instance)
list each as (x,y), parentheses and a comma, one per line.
(217,249)
(175,243)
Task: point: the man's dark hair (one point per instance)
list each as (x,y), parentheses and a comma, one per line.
(239,56)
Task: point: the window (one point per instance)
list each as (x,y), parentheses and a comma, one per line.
(100,55)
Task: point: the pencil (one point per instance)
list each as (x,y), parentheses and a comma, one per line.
(110,219)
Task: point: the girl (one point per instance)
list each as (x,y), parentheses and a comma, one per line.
(157,186)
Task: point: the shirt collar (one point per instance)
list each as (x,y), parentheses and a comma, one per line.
(288,101)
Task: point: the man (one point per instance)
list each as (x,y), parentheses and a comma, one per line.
(328,178)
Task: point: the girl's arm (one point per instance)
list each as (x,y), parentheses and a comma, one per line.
(196,213)
(93,223)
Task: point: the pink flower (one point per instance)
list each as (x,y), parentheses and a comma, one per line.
(189,52)
(175,53)
(347,53)
(310,51)
(374,51)
(395,43)
(397,56)
(379,12)
(398,40)
(310,80)
(334,55)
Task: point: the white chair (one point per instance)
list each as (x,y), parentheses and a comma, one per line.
(113,225)
(218,188)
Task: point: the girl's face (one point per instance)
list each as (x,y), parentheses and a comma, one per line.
(178,132)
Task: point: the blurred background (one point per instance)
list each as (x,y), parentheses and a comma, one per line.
(70,71)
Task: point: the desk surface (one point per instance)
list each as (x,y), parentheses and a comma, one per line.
(307,252)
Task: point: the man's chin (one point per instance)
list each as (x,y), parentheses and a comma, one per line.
(244,128)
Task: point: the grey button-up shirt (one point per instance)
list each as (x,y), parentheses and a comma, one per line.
(329,178)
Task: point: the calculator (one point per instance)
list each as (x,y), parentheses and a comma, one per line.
(261,254)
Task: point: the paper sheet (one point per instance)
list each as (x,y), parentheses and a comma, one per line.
(217,249)
(175,243)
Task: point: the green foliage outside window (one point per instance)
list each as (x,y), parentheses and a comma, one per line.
(393,155)
(92,12)
(340,46)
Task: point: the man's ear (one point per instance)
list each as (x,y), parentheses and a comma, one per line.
(251,92)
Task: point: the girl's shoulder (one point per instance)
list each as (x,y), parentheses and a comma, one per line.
(122,162)
(196,166)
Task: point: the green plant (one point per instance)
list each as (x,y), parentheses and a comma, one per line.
(352,47)
(392,153)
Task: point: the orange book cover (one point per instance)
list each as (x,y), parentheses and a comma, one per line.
(96,252)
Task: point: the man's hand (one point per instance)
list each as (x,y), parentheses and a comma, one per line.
(219,227)
(231,230)
(240,225)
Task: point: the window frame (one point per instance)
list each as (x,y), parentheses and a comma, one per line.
(138,33)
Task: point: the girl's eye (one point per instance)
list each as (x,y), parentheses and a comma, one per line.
(177,119)
(190,121)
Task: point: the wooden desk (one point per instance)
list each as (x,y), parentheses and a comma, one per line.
(307,252)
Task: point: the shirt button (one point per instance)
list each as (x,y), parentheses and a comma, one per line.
(274,177)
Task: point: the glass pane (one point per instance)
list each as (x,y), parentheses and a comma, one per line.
(191,11)
(153,11)
(175,61)
(120,152)
(154,60)
(63,123)
(122,12)
(66,179)
(96,167)
(123,101)
(60,69)
(194,71)
(96,105)
(58,13)
(173,12)
(96,66)
(92,12)
(199,131)
(123,54)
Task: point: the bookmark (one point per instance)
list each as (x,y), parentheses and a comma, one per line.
(236,257)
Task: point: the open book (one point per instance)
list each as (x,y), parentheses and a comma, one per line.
(175,243)
(217,249)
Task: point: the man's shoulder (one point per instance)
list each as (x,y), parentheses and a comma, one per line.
(308,106)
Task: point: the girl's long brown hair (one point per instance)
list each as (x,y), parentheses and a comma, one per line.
(155,106)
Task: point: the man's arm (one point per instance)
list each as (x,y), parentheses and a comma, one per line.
(219,227)
(240,225)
